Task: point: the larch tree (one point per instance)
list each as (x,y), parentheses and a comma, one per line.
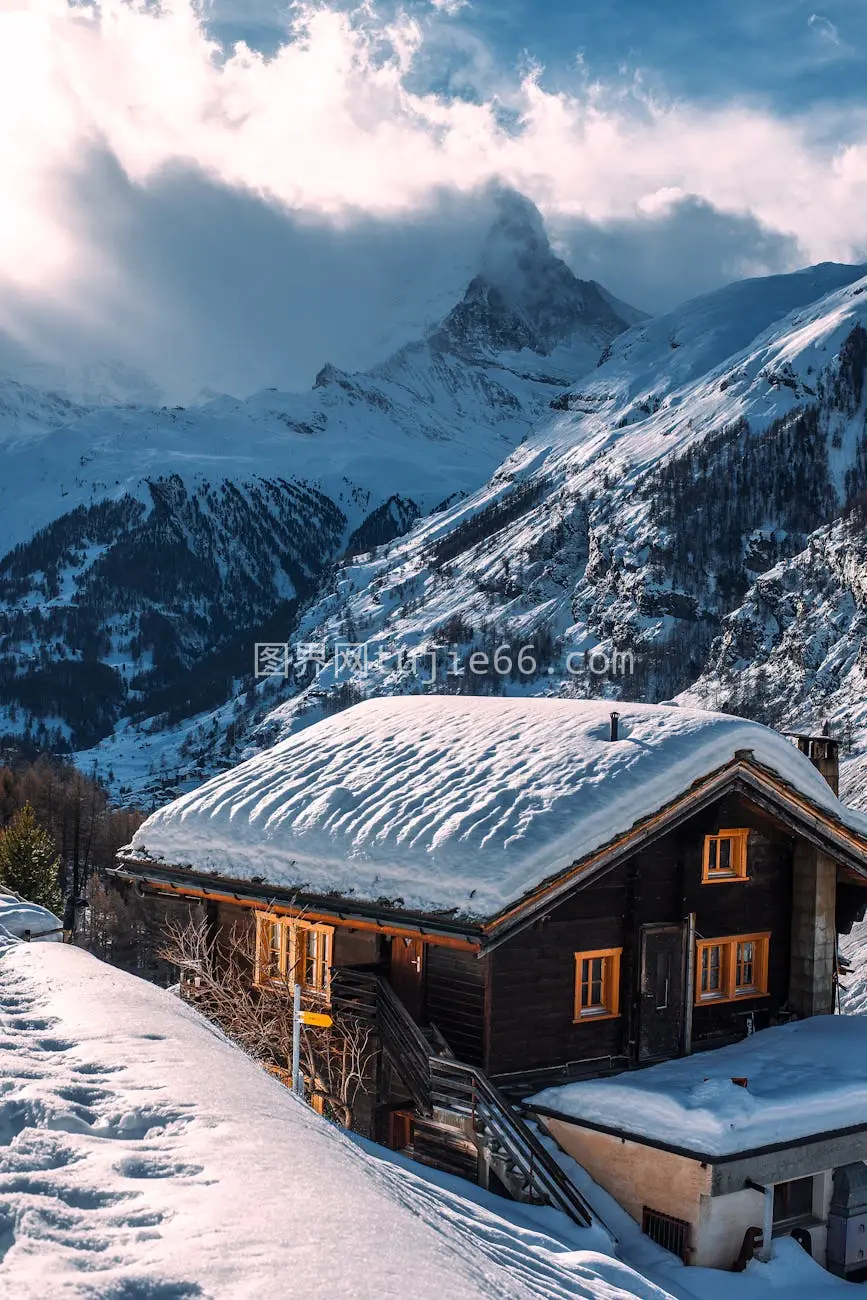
(29,861)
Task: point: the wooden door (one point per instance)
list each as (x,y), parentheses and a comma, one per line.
(406,974)
(661,992)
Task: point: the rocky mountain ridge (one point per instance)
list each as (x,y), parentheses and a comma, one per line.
(145,549)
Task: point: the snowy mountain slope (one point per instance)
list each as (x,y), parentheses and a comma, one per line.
(632,520)
(635,517)
(795,649)
(137,1142)
(27,411)
(167,539)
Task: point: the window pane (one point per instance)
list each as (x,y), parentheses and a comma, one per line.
(746,966)
(711,855)
(725,855)
(274,950)
(315,956)
(585,983)
(711,969)
(593,983)
(793,1200)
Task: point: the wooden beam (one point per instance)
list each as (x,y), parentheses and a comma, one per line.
(311,914)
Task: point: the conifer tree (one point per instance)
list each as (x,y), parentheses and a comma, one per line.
(29,861)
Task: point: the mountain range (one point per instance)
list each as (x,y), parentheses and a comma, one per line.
(652,508)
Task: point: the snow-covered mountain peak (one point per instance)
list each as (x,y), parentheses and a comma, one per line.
(524,296)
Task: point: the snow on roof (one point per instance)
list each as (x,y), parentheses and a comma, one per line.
(18,916)
(803,1078)
(146,1155)
(450,802)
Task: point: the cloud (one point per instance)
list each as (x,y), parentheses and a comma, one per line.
(674,248)
(150,177)
(824,28)
(206,285)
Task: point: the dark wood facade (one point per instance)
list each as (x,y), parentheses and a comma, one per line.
(643,906)
(511,1010)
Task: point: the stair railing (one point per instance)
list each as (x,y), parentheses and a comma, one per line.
(467,1090)
(436,1079)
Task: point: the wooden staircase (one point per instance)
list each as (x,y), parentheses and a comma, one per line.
(458,1095)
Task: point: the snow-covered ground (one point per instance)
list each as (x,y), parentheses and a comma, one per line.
(803,1078)
(455,801)
(143,1157)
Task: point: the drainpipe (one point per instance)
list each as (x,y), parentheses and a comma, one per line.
(690,980)
(767,1224)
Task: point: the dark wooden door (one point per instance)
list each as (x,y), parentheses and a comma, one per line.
(406,974)
(661,994)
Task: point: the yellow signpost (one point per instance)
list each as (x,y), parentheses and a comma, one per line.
(317,1018)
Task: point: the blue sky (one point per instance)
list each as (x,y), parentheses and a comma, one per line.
(789,54)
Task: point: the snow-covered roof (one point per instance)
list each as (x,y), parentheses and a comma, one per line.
(17,917)
(804,1078)
(452,802)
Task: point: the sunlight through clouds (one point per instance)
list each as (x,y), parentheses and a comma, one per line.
(328,129)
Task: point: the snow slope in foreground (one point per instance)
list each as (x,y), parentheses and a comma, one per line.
(455,801)
(142,1157)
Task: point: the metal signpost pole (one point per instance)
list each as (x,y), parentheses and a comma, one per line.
(297,1081)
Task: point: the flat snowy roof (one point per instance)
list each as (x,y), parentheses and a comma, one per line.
(18,917)
(803,1079)
(443,802)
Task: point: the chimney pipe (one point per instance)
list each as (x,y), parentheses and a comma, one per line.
(824,753)
(615,725)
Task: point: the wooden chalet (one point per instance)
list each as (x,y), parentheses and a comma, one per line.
(690,892)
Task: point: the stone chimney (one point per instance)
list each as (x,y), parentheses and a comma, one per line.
(824,753)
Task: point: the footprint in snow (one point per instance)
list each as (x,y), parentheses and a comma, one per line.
(139,1167)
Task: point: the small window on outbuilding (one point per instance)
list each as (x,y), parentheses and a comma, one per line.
(597,984)
(793,1201)
(725,856)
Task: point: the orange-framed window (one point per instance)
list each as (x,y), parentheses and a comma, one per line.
(290,952)
(597,984)
(732,967)
(725,856)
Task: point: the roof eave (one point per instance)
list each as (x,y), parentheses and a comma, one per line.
(755,780)
(187,883)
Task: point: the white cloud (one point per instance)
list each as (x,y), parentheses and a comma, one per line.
(824,28)
(328,131)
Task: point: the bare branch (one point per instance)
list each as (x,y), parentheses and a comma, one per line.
(217,978)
